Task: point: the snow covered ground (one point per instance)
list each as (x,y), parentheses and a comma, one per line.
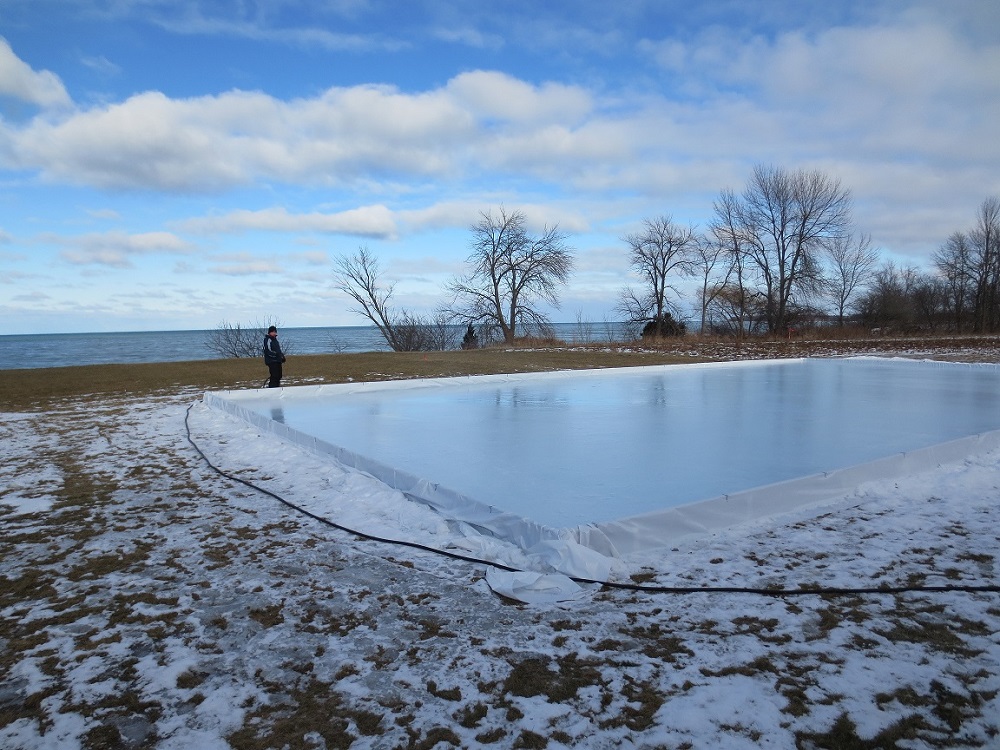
(147,601)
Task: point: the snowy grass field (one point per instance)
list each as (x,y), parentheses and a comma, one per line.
(146,601)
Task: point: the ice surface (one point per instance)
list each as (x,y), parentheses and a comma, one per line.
(571,448)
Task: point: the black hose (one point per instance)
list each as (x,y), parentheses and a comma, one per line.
(775,593)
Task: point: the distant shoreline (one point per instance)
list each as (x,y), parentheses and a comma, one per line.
(37,351)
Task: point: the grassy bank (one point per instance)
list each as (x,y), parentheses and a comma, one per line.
(35,389)
(39,388)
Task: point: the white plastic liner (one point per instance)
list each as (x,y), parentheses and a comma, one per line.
(651,530)
(552,549)
(533,588)
(585,550)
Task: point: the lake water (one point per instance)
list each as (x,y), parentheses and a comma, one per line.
(67,349)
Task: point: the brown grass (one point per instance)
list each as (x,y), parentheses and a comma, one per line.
(42,388)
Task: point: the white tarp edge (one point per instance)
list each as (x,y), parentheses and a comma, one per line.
(552,550)
(533,588)
(670,525)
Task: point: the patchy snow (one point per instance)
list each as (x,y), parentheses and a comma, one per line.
(147,601)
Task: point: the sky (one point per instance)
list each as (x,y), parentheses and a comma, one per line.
(178,164)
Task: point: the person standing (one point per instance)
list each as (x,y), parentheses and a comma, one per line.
(273,357)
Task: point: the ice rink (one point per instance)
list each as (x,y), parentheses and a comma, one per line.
(575,448)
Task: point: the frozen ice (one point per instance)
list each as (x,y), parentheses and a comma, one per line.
(571,448)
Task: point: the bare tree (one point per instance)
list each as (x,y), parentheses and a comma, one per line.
(929,296)
(736,310)
(783,219)
(236,340)
(657,253)
(970,264)
(888,302)
(358,276)
(851,266)
(985,241)
(710,253)
(512,272)
(634,312)
(739,304)
(417,333)
(584,329)
(954,261)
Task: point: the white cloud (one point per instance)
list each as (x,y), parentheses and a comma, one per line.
(340,137)
(149,141)
(18,80)
(188,18)
(493,95)
(248,266)
(215,142)
(32,298)
(880,87)
(441,215)
(872,103)
(900,109)
(464,214)
(468,36)
(315,258)
(366,221)
(102,65)
(117,249)
(831,96)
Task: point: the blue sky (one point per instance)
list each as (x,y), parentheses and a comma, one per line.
(173,164)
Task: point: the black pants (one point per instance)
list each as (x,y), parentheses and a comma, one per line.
(275,370)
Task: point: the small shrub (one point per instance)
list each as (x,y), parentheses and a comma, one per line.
(662,327)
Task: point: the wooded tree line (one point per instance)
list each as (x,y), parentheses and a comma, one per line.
(781,254)
(961,294)
(784,253)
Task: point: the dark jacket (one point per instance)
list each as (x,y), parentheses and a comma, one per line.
(272,351)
